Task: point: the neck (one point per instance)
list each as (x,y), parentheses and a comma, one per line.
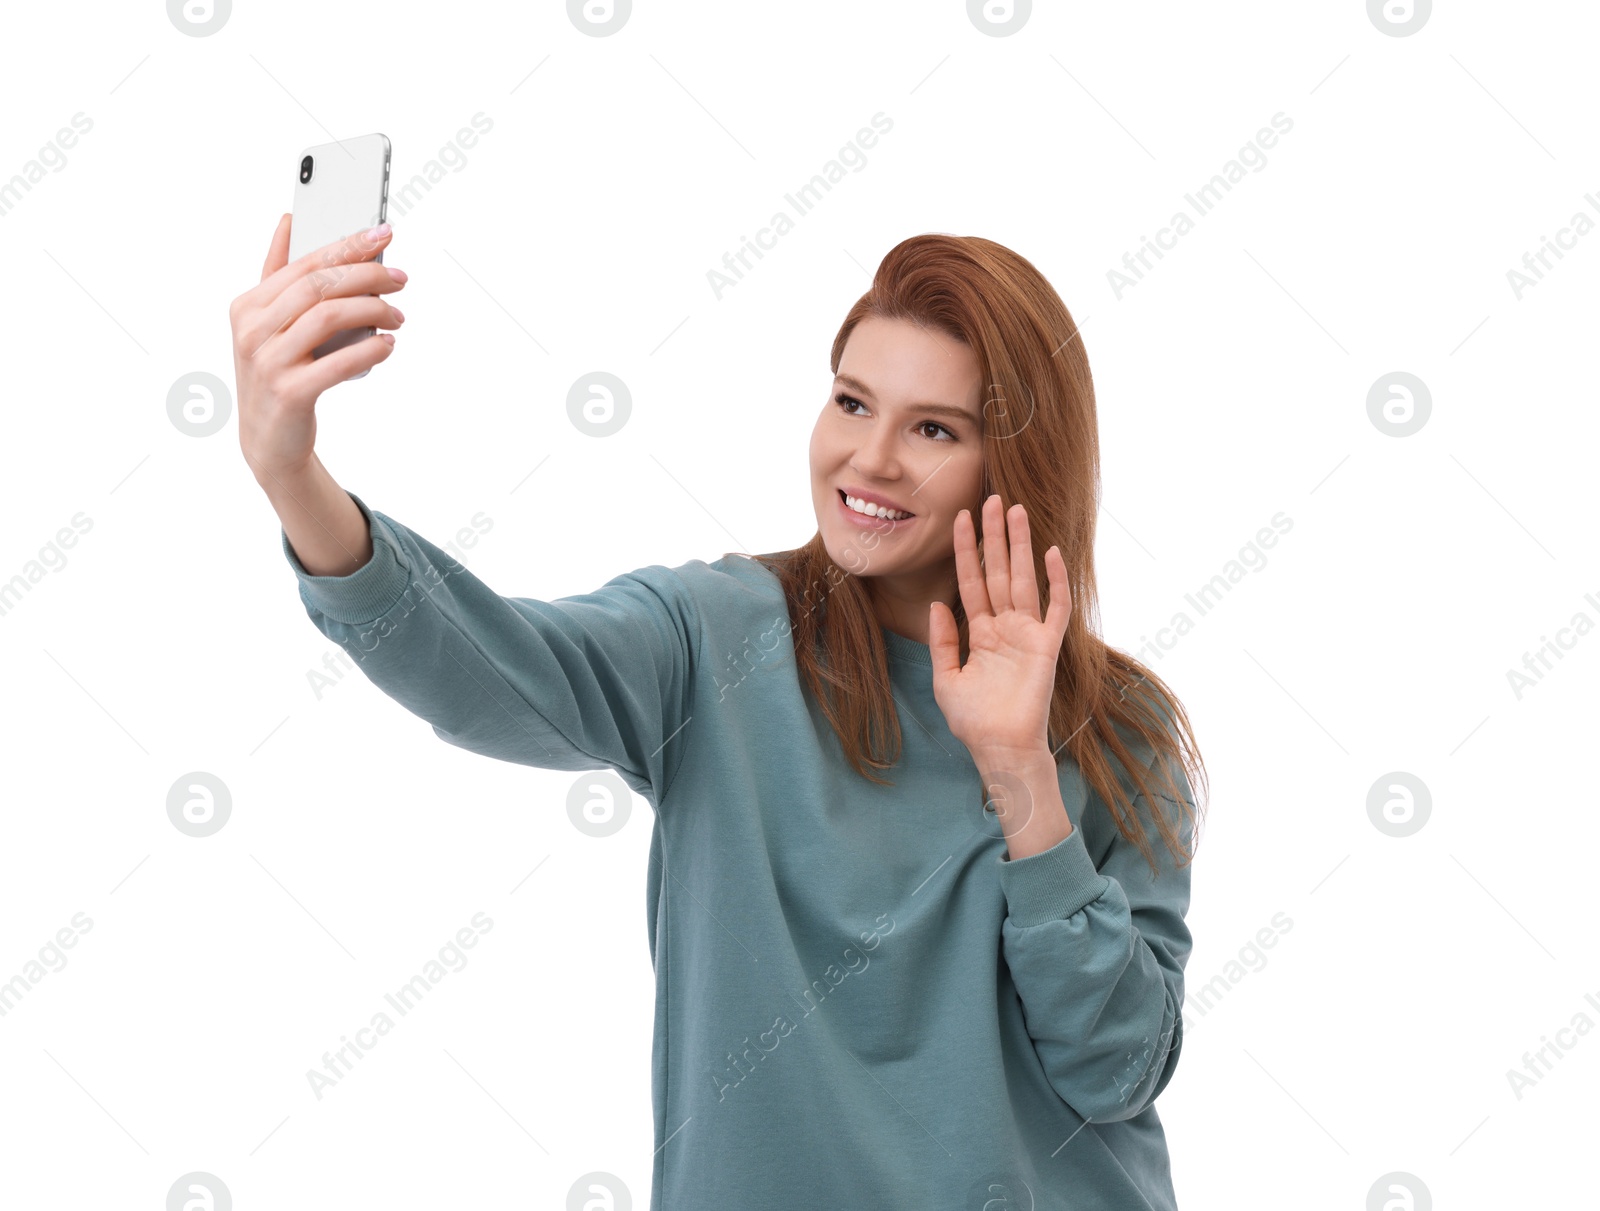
(906,614)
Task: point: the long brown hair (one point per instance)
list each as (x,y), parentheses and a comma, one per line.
(1041,448)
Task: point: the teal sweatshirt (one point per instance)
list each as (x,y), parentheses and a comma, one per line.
(860,1001)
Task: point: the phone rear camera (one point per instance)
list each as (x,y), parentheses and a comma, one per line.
(305,171)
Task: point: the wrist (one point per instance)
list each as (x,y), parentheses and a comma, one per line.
(989,757)
(288,484)
(1022,784)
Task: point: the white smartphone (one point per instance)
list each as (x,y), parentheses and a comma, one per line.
(342,188)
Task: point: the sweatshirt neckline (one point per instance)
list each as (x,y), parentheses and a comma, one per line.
(901,648)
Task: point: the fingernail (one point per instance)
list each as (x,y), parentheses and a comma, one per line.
(399,315)
(378,232)
(398,275)
(388,336)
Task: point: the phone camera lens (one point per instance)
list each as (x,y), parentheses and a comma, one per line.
(305,170)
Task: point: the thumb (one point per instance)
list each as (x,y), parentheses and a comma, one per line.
(943,640)
(278,252)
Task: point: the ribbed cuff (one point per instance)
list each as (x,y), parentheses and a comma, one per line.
(1051,885)
(369,592)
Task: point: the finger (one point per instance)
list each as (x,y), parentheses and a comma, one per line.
(1060,609)
(334,315)
(340,365)
(943,640)
(996,562)
(969,576)
(1024,584)
(278,250)
(301,298)
(324,265)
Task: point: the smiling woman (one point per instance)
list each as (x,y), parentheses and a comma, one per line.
(1017,1029)
(958,376)
(912,444)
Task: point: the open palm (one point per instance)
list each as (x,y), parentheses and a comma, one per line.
(1000,699)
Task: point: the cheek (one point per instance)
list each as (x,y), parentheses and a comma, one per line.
(972,488)
(961,488)
(823,452)
(815,449)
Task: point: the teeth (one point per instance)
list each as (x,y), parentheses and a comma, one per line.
(871,510)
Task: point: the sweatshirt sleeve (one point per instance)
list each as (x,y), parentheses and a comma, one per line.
(578,683)
(1096,946)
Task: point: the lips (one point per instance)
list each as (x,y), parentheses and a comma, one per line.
(874,500)
(882,525)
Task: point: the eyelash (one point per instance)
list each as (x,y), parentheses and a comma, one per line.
(841,399)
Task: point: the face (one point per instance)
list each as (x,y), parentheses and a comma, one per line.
(902,427)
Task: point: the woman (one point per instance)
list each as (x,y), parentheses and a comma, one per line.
(959,986)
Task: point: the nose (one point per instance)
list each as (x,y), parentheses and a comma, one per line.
(875,457)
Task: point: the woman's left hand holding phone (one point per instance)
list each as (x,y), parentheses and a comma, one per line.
(277,323)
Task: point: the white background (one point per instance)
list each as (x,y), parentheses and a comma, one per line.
(1231,384)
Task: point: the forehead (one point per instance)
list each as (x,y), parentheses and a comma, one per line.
(901,361)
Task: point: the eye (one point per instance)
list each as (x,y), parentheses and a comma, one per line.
(844,401)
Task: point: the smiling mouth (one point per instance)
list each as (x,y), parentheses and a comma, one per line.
(843,499)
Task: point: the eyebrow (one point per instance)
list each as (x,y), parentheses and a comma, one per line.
(951,410)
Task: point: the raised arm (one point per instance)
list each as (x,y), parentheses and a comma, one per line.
(580,682)
(598,679)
